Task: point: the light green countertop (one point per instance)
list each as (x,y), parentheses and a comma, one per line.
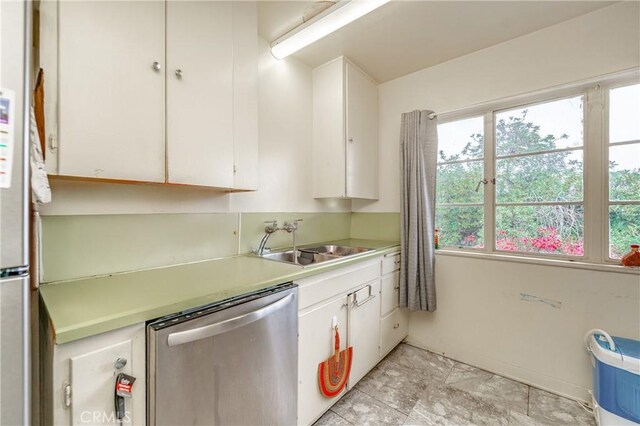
(86,307)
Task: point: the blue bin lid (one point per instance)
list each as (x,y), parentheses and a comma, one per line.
(627,347)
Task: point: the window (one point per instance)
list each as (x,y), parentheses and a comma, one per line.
(539,190)
(527,177)
(459,193)
(624,169)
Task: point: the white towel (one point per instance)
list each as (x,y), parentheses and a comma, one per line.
(39,180)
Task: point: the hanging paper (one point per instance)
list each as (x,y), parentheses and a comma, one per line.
(7,142)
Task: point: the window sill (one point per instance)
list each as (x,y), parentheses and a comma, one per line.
(562,263)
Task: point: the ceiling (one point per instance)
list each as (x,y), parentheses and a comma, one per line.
(405,36)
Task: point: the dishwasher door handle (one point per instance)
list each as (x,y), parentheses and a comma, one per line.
(211,330)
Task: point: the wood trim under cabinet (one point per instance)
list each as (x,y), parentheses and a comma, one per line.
(141,182)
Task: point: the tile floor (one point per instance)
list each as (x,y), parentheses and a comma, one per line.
(412,386)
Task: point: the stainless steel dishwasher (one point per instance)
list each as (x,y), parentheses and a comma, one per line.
(230,363)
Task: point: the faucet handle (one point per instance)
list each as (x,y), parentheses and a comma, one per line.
(272,226)
(291,226)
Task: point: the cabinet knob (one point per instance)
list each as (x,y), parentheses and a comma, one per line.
(396,325)
(156,66)
(120,363)
(350,140)
(397,262)
(179,73)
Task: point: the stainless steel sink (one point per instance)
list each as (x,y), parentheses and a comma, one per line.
(335,250)
(303,258)
(313,255)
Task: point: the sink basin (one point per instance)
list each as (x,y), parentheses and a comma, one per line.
(304,258)
(335,250)
(313,255)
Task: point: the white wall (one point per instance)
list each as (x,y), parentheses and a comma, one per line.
(285,101)
(285,125)
(481,318)
(526,321)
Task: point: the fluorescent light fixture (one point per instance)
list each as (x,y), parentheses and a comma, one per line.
(330,20)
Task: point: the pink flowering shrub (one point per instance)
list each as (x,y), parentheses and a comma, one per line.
(548,240)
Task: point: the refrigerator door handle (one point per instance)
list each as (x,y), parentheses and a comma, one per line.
(211,330)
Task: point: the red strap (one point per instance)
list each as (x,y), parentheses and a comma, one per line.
(337,346)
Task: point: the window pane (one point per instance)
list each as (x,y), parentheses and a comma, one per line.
(460,226)
(624,110)
(540,178)
(540,229)
(542,127)
(624,229)
(461,140)
(624,172)
(456,183)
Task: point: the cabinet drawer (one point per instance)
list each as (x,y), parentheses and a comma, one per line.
(321,287)
(393,328)
(390,293)
(390,263)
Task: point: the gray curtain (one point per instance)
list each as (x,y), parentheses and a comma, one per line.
(418,157)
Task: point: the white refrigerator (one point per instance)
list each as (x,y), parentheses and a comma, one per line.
(15,36)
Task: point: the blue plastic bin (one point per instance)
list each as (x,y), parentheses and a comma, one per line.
(616,378)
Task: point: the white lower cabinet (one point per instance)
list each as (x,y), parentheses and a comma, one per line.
(394,321)
(79,388)
(390,292)
(364,329)
(353,295)
(393,328)
(315,345)
(78,380)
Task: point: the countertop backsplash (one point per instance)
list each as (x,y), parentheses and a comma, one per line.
(89,245)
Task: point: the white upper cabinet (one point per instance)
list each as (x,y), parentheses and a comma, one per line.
(245,95)
(362,134)
(200,93)
(345,132)
(115,60)
(111,96)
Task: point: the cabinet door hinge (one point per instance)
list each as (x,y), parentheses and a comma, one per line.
(66,395)
(53,143)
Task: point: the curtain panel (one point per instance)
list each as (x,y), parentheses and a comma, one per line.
(418,158)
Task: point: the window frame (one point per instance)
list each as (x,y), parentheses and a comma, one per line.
(569,95)
(606,92)
(482,160)
(595,174)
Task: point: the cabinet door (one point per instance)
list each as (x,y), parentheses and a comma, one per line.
(393,328)
(315,345)
(245,95)
(88,366)
(93,382)
(389,292)
(362,134)
(364,329)
(328,151)
(200,93)
(111,98)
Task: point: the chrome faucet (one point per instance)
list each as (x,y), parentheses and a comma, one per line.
(272,226)
(292,228)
